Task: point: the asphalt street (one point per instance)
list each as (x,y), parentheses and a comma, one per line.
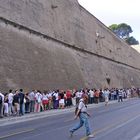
(118,121)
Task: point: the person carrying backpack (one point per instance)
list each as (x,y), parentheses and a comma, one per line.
(1,104)
(83,117)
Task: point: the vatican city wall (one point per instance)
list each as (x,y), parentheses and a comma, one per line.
(58,44)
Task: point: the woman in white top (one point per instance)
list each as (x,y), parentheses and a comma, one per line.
(38,101)
(6,105)
(45,100)
(106,96)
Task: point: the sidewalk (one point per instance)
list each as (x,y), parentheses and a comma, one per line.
(33,116)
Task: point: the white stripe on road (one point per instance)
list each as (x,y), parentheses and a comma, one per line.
(137,137)
(16,133)
(113,127)
(127,121)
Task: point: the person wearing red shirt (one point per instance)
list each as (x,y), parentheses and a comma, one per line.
(69,98)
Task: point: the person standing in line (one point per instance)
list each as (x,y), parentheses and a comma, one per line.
(6,105)
(96,95)
(10,102)
(50,99)
(120,95)
(78,94)
(91,95)
(83,117)
(61,101)
(1,104)
(16,100)
(21,105)
(27,103)
(55,97)
(69,98)
(38,101)
(45,100)
(106,96)
(32,100)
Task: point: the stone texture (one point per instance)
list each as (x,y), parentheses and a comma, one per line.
(54,44)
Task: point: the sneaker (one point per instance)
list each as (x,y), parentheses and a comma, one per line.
(91,136)
(71,133)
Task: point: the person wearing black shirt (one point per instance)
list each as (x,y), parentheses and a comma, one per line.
(61,101)
(16,103)
(21,102)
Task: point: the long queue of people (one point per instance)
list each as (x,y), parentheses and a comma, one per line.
(18,103)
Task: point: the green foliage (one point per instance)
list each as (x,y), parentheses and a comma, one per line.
(113,27)
(123,31)
(132,41)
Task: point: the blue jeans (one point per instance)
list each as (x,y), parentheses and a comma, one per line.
(32,106)
(21,111)
(83,121)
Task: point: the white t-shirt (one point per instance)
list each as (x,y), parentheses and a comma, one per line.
(38,97)
(50,95)
(106,93)
(2,97)
(91,93)
(10,98)
(56,96)
(45,97)
(79,94)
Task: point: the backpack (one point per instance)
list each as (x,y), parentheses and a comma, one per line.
(0,99)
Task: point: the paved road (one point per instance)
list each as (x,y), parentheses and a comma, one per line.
(118,121)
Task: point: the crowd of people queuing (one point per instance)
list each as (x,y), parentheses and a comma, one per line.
(17,103)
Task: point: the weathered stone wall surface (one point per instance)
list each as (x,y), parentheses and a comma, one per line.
(32,62)
(54,44)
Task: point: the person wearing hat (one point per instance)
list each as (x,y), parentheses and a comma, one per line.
(83,117)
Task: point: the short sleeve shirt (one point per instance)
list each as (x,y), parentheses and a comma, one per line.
(82,107)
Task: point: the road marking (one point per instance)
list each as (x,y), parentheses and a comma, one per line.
(16,133)
(99,131)
(115,126)
(69,120)
(137,137)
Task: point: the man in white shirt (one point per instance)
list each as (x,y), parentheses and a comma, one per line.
(78,96)
(91,93)
(32,100)
(1,104)
(10,102)
(106,96)
(56,99)
(120,95)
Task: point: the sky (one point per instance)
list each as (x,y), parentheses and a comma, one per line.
(115,12)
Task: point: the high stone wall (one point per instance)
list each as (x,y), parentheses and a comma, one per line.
(53,44)
(30,61)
